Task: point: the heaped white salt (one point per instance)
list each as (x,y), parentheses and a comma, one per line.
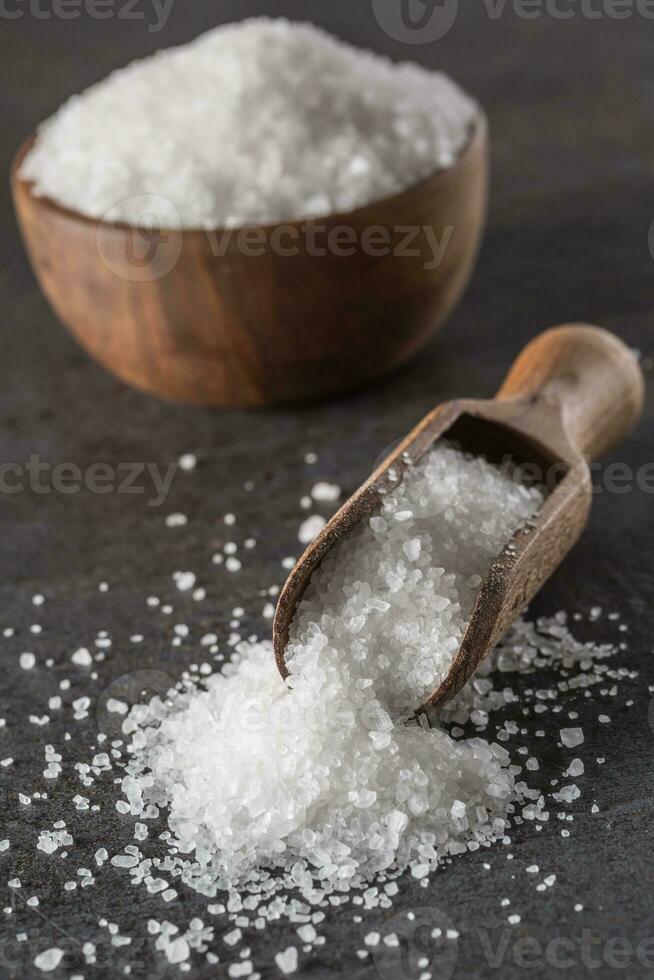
(399,592)
(264,120)
(320,778)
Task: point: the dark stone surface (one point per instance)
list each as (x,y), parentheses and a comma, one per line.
(570,105)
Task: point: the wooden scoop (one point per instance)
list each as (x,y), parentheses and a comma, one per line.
(573,392)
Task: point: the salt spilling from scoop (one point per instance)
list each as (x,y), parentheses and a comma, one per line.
(319,784)
(261,121)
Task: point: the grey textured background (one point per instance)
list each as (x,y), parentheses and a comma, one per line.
(571,109)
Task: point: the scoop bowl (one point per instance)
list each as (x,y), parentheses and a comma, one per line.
(571,395)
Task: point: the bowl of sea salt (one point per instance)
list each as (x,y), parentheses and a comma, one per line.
(263,215)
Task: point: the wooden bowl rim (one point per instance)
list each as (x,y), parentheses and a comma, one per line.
(477,138)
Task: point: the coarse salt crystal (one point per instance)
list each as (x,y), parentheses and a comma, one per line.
(176,520)
(184,580)
(49,959)
(287,960)
(571,737)
(82,657)
(310,528)
(325,492)
(187,461)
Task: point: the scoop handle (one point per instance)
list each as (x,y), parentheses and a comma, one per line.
(586,373)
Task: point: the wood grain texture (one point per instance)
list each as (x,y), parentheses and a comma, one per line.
(190,316)
(574,392)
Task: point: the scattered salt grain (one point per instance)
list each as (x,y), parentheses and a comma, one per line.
(310,528)
(49,959)
(178,950)
(176,520)
(27,660)
(187,462)
(571,737)
(184,580)
(82,657)
(116,706)
(323,492)
(287,960)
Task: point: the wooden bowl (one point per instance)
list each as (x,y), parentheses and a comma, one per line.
(285,312)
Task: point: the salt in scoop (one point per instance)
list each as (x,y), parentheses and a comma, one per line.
(571,395)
